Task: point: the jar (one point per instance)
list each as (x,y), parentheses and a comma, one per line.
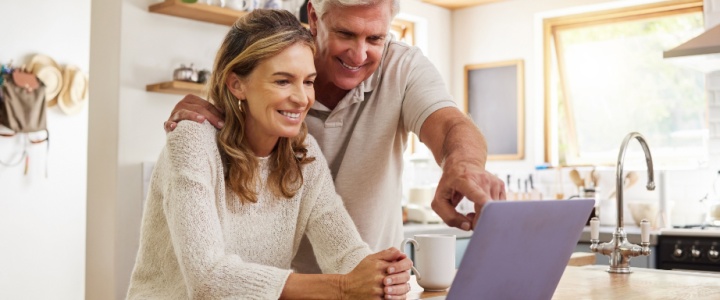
(184,73)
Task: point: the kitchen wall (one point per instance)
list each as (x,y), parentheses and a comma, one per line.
(42,220)
(132,48)
(511,29)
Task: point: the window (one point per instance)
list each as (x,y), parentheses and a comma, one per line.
(403,31)
(605,77)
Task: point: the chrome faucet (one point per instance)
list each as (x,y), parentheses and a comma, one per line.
(619,249)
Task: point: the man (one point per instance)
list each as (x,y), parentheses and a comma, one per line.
(370,92)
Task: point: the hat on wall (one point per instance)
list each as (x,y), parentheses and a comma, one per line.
(47,70)
(74,93)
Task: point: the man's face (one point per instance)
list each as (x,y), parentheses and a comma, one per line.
(350,41)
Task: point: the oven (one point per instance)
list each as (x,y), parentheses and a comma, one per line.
(689,249)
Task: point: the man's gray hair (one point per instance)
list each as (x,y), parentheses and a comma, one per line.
(321,6)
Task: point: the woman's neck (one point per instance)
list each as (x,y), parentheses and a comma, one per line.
(262,145)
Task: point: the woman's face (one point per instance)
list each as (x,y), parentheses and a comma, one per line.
(279,92)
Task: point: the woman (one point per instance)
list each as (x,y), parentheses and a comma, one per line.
(227,210)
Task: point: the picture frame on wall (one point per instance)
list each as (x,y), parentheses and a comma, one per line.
(495,101)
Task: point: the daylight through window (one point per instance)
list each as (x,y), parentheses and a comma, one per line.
(605,77)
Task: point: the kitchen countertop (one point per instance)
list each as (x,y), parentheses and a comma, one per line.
(592,282)
(633,232)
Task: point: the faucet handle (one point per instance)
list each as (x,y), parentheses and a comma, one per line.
(594,228)
(645,231)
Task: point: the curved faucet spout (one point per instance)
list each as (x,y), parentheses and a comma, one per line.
(621,161)
(619,249)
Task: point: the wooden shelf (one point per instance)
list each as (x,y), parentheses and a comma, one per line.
(197,11)
(178,88)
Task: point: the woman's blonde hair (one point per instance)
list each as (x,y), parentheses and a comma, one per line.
(255,37)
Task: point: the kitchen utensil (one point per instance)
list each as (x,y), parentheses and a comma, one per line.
(559,186)
(575,177)
(594,177)
(203,76)
(630,179)
(184,73)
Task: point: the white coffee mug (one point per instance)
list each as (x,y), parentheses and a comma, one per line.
(434,263)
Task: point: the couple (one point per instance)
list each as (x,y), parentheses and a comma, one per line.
(371,92)
(227,210)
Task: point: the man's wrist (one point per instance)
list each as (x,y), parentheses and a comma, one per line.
(451,160)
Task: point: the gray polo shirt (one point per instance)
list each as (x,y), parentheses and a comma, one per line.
(364,137)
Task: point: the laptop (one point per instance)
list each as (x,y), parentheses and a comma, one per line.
(519,249)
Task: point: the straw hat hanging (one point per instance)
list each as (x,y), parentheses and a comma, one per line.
(48,71)
(74,93)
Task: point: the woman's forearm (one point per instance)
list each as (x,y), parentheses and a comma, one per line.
(312,286)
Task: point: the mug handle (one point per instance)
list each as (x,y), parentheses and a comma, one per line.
(416,247)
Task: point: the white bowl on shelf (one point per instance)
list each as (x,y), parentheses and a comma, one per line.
(644,211)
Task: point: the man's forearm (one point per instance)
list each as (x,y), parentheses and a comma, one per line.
(452,137)
(464,143)
(460,149)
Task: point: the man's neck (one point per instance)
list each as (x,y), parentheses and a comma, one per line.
(328,93)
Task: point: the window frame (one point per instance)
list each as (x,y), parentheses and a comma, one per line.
(551,25)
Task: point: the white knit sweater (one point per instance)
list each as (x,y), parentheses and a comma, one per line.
(192,246)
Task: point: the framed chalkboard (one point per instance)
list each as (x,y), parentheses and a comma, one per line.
(495,101)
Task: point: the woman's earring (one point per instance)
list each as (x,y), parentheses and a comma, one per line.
(240,105)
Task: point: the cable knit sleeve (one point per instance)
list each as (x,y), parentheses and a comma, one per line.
(195,229)
(332,233)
